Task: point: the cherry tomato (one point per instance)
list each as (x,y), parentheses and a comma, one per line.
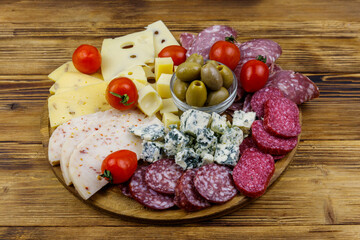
(225,52)
(119,166)
(121,93)
(87,59)
(254,74)
(177,53)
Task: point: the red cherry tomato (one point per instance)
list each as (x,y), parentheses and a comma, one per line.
(177,53)
(225,52)
(119,166)
(121,93)
(254,75)
(87,59)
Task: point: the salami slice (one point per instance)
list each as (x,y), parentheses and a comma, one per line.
(124,187)
(295,86)
(278,157)
(186,195)
(162,176)
(187,39)
(261,96)
(146,196)
(248,142)
(214,183)
(265,47)
(253,172)
(271,144)
(282,118)
(206,38)
(247,103)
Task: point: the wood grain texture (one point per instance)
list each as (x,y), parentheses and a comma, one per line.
(317,197)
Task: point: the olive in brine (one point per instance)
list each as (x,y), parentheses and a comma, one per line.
(188,71)
(180,88)
(196,58)
(196,94)
(217,97)
(211,77)
(227,75)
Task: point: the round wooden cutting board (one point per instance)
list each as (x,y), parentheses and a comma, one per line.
(111,200)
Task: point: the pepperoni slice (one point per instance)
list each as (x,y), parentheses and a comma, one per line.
(186,195)
(282,118)
(162,176)
(268,143)
(146,196)
(260,97)
(214,183)
(253,172)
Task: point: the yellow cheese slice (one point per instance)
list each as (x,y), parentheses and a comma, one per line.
(149,73)
(68,67)
(163,85)
(169,106)
(72,80)
(163,65)
(74,103)
(118,54)
(149,101)
(162,36)
(170,119)
(135,73)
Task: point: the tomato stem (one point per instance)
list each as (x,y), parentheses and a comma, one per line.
(124,98)
(261,58)
(107,174)
(230,39)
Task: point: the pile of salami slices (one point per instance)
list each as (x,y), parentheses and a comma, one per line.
(164,184)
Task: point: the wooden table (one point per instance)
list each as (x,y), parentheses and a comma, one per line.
(318,197)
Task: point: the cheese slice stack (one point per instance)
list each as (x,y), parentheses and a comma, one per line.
(71,81)
(68,67)
(118,54)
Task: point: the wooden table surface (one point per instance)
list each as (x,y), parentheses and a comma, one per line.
(318,197)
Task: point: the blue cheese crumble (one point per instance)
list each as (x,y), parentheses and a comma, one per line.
(150,132)
(232,135)
(227,154)
(218,123)
(243,120)
(193,120)
(152,151)
(188,159)
(205,142)
(175,141)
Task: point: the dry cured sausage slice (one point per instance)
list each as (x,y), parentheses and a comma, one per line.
(253,172)
(268,143)
(146,196)
(162,176)
(187,39)
(282,118)
(214,183)
(248,142)
(261,96)
(295,86)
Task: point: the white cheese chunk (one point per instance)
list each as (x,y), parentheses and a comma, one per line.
(243,120)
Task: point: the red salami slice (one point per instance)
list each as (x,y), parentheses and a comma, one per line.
(253,172)
(162,176)
(278,157)
(187,39)
(295,86)
(186,195)
(282,118)
(205,39)
(271,144)
(251,49)
(261,96)
(248,142)
(214,183)
(143,194)
(124,187)
(247,103)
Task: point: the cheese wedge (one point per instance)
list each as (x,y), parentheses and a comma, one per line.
(163,85)
(74,103)
(118,54)
(162,36)
(71,81)
(149,101)
(170,119)
(135,73)
(68,67)
(169,106)
(85,162)
(163,65)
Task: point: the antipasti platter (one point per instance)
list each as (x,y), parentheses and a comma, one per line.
(156,131)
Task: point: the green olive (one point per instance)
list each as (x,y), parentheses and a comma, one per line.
(196,58)
(188,71)
(227,75)
(180,88)
(211,77)
(215,63)
(196,94)
(217,97)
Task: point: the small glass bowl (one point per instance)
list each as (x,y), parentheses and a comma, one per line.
(219,108)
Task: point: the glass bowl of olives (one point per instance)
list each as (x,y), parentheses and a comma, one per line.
(208,86)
